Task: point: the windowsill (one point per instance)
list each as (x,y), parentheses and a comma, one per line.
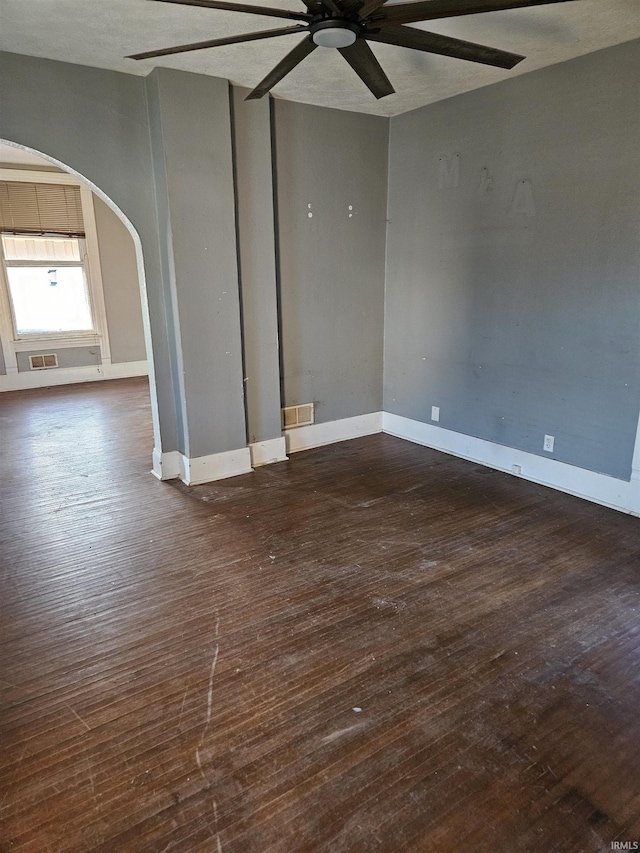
(55,342)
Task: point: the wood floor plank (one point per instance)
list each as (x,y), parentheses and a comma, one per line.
(371,647)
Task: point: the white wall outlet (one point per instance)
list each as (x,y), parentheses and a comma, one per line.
(516,470)
(435,413)
(548,443)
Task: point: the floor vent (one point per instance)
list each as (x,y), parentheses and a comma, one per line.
(43,362)
(295,416)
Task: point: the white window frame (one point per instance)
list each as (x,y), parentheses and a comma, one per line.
(13,343)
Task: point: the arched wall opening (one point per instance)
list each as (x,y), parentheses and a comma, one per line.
(160,150)
(142,284)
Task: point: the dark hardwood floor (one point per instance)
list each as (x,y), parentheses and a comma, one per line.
(371,647)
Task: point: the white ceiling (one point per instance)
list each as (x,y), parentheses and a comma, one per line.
(102,32)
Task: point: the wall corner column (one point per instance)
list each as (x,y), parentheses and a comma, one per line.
(255,177)
(190,122)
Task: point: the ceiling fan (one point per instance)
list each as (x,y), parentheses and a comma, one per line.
(348,25)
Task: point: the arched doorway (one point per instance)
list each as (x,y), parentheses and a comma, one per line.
(19,163)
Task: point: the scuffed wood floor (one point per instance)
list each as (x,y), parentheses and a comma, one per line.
(372,647)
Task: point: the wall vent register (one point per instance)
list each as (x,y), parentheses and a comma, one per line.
(295,416)
(43,362)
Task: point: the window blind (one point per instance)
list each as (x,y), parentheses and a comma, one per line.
(30,208)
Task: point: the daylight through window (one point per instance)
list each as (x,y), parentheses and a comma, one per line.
(47,285)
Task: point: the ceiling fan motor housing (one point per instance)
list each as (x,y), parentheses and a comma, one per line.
(334,32)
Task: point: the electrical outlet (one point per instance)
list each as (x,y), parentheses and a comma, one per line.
(548,443)
(435,413)
(516,469)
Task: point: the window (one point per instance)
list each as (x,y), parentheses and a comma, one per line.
(47,285)
(51,295)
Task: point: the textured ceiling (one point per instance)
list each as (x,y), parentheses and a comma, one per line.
(102,32)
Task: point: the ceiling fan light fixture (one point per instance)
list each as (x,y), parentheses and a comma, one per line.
(334,33)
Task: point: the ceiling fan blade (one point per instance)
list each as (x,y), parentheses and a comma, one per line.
(332,6)
(370,6)
(299,52)
(444,45)
(242,7)
(200,45)
(429,10)
(317,7)
(361,58)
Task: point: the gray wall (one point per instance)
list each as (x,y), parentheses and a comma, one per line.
(513,299)
(121,287)
(517,318)
(162,149)
(331,266)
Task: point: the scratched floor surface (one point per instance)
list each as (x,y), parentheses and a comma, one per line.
(372,647)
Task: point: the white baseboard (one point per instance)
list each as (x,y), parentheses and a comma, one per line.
(269,451)
(598,488)
(126,369)
(166,466)
(21,381)
(602,489)
(217,466)
(201,469)
(317,435)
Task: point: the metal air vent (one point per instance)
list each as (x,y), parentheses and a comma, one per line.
(295,416)
(43,362)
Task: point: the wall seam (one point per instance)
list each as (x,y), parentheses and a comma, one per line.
(234,172)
